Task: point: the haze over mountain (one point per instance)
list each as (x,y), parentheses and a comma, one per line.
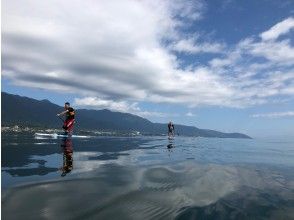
(17,110)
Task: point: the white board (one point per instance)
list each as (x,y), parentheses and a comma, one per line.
(54,135)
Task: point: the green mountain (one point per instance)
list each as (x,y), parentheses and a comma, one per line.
(24,111)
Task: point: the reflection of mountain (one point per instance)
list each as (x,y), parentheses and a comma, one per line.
(30,112)
(185,191)
(41,171)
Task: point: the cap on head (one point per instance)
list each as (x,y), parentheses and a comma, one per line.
(67,103)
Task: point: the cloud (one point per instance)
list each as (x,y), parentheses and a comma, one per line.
(117,106)
(191,46)
(98,103)
(106,50)
(124,52)
(280,52)
(279,29)
(274,115)
(190,114)
(257,70)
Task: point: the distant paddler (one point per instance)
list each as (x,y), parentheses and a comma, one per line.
(69,113)
(171,129)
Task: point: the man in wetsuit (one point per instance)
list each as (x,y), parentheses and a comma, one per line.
(70,118)
(171,129)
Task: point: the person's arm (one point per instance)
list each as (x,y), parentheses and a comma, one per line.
(62,113)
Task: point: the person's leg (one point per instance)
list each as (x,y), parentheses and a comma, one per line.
(70,126)
(65,127)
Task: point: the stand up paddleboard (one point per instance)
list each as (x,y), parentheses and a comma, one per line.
(170,138)
(55,135)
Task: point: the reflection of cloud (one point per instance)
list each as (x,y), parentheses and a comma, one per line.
(147,192)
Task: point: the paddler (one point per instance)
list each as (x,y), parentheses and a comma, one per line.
(69,118)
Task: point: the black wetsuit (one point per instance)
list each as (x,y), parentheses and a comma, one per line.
(171,127)
(70,114)
(70,119)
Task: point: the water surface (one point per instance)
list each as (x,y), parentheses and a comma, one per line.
(146,178)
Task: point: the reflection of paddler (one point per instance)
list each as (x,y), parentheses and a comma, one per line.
(67,148)
(170,148)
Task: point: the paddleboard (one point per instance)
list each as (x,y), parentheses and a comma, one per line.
(170,138)
(55,135)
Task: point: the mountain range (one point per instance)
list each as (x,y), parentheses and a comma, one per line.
(24,111)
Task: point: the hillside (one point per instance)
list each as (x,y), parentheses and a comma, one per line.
(26,111)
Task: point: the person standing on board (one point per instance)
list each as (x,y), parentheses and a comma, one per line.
(69,118)
(171,129)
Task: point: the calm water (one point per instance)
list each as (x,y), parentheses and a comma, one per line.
(146,178)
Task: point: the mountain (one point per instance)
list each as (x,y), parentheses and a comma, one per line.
(30,112)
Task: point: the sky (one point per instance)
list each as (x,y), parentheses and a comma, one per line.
(223,65)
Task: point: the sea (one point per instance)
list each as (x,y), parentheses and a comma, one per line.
(145,177)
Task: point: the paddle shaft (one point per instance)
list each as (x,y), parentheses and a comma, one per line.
(61,119)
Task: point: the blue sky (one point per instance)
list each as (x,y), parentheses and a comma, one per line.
(224,65)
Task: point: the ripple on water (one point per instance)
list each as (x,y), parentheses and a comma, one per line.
(183,191)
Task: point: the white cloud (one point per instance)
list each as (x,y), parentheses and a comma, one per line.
(257,71)
(190,45)
(279,29)
(113,50)
(280,52)
(117,106)
(274,115)
(97,103)
(190,114)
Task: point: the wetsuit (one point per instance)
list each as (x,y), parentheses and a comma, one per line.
(171,128)
(70,119)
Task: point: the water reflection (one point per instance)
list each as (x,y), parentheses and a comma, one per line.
(147,178)
(184,191)
(67,148)
(169,146)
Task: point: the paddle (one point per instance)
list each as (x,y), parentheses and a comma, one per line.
(60,118)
